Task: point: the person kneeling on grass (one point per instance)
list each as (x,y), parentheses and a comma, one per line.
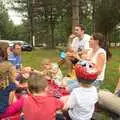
(81,102)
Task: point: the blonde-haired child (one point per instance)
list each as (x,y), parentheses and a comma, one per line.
(9,105)
(7,84)
(52,71)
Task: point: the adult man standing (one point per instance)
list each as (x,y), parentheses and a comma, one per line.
(14,56)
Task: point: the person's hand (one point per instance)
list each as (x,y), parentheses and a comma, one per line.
(38,72)
(70,54)
(26,75)
(72,36)
(47,77)
(76,55)
(84,54)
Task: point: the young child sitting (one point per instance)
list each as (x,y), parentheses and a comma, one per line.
(7,84)
(38,105)
(52,70)
(9,91)
(81,102)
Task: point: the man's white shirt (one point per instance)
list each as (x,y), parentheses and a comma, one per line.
(80,44)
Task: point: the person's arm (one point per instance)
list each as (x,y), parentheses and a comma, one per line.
(100,62)
(87,46)
(64,99)
(59,104)
(70,101)
(72,54)
(13,108)
(74,44)
(12,97)
(70,40)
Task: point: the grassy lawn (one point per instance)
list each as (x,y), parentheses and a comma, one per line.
(112,75)
(33,59)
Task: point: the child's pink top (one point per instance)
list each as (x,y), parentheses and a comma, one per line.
(13,108)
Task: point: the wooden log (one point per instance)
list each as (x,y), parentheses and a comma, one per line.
(109,101)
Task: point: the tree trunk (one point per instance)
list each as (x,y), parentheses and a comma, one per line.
(52,35)
(93,15)
(52,27)
(75,13)
(30,21)
(108,38)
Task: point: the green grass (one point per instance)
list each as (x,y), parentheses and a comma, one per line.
(33,58)
(111,77)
